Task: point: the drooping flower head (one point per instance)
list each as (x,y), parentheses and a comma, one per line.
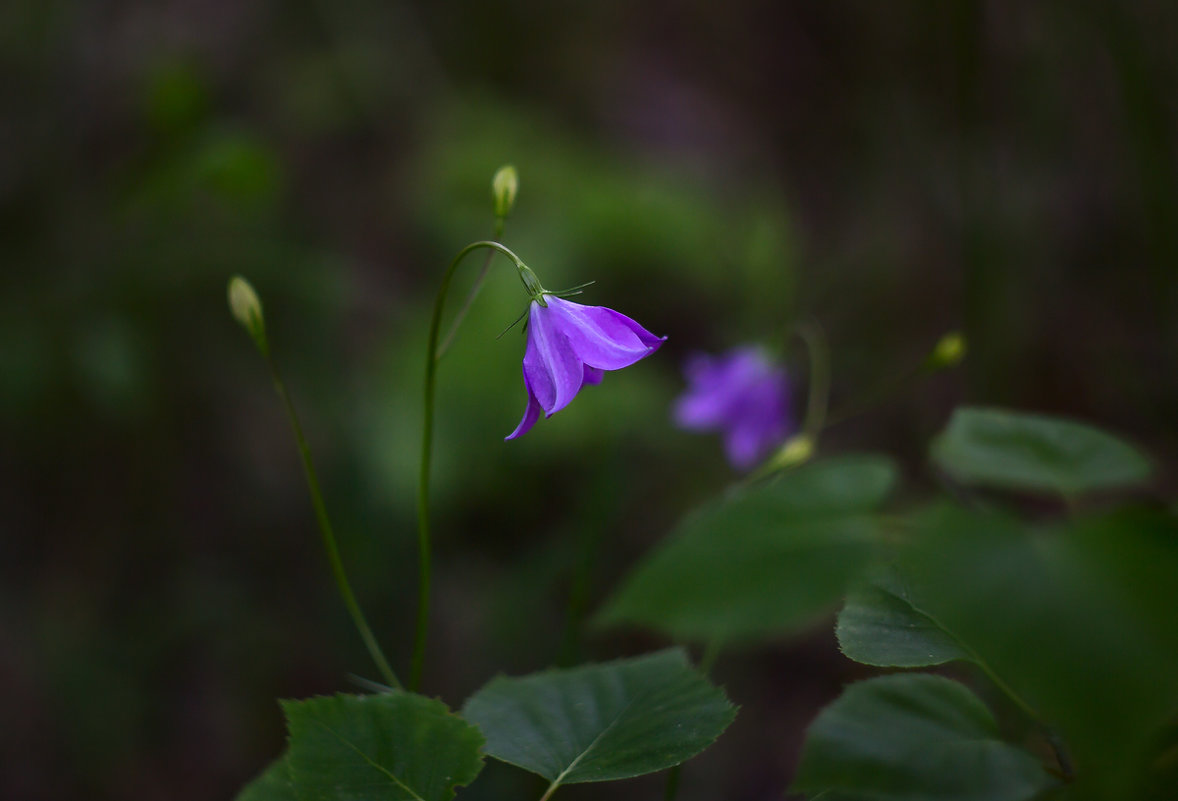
(570,345)
(741,394)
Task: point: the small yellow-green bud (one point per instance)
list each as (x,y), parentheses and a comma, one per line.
(948,352)
(504,187)
(247,310)
(796,450)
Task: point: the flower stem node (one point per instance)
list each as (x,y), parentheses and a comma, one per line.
(504,187)
(247,310)
(948,352)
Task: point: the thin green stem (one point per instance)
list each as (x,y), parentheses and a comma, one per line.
(706,662)
(325,529)
(819,396)
(1001,684)
(946,353)
(1053,739)
(427,436)
(671,788)
(475,288)
(816,403)
(710,655)
(879,393)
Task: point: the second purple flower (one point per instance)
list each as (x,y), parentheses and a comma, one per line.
(741,394)
(570,345)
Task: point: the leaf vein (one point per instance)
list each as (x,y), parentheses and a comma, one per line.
(369,760)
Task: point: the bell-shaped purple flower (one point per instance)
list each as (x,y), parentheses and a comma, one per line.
(570,345)
(742,394)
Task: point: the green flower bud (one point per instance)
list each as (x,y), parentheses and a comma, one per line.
(504,187)
(948,352)
(247,310)
(796,450)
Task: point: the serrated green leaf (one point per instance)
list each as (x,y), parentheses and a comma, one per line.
(761,562)
(1077,621)
(272,784)
(879,625)
(914,737)
(1014,450)
(394,747)
(601,722)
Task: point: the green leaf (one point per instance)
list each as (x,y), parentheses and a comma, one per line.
(914,737)
(273,784)
(880,625)
(760,562)
(1077,621)
(601,722)
(395,747)
(1013,450)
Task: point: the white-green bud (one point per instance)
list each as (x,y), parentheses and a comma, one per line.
(796,450)
(948,352)
(504,187)
(247,310)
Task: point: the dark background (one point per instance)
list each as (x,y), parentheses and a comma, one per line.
(895,170)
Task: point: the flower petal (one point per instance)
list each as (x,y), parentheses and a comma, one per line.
(742,394)
(718,387)
(744,444)
(601,337)
(593,375)
(552,369)
(531,415)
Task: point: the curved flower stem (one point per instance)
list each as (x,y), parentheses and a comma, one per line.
(819,397)
(427,435)
(475,288)
(325,529)
(798,448)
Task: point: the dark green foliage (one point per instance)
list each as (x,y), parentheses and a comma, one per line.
(763,561)
(1015,450)
(1076,621)
(601,722)
(395,746)
(880,626)
(914,738)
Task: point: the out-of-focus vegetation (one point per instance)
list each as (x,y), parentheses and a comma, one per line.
(892,170)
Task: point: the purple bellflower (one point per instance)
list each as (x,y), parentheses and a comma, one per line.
(742,394)
(570,345)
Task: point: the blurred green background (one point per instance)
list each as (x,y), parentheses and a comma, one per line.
(895,170)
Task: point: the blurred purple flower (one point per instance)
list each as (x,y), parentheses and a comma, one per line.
(570,345)
(742,394)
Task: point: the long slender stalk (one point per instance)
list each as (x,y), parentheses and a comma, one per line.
(816,402)
(325,529)
(427,435)
(671,788)
(819,397)
(475,288)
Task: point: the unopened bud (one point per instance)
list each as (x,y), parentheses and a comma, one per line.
(247,310)
(504,187)
(948,352)
(794,452)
